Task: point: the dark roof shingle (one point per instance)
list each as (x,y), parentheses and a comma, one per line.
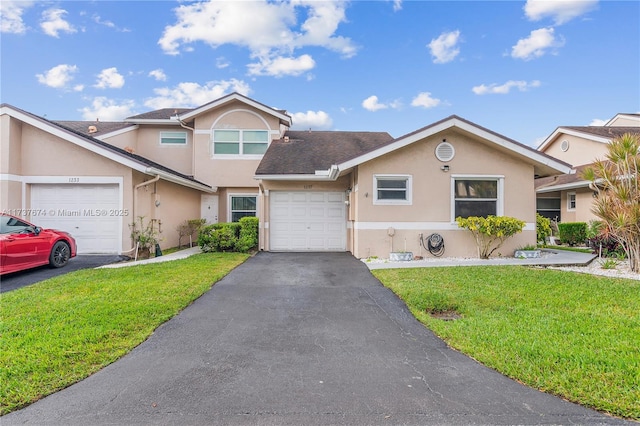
(304,152)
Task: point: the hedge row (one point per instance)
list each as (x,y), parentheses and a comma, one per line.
(241,236)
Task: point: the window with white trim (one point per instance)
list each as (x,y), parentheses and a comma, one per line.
(477,196)
(241,206)
(571,200)
(240,142)
(173,138)
(392,189)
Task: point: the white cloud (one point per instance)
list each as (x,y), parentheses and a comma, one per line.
(110,78)
(221,62)
(158,74)
(372,104)
(188,95)
(598,122)
(397,5)
(11,16)
(536,45)
(425,100)
(107,110)
(561,11)
(444,48)
(53,22)
(317,120)
(281,66)
(268,29)
(58,77)
(505,88)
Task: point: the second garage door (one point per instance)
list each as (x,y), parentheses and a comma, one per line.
(307,221)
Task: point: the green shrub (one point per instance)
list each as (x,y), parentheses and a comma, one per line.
(543,228)
(219,237)
(490,232)
(239,236)
(248,237)
(572,233)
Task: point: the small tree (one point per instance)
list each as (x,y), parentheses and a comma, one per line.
(490,232)
(617,185)
(145,236)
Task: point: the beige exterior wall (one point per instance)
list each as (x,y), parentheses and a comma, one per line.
(229,171)
(622,121)
(582,212)
(167,204)
(581,151)
(431,207)
(175,157)
(126,140)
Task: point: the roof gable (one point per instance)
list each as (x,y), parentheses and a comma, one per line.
(601,134)
(281,115)
(543,164)
(134,161)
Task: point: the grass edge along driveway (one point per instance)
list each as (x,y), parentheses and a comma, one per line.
(573,335)
(63,329)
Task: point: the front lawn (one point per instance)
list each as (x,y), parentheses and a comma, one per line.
(61,330)
(573,335)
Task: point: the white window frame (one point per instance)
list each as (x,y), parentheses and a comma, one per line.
(409,189)
(241,143)
(163,136)
(571,199)
(500,193)
(230,203)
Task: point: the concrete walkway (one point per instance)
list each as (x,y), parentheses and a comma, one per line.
(182,254)
(299,339)
(549,257)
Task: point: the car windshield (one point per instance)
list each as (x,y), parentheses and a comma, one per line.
(11,225)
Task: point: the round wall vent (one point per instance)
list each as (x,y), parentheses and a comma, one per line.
(564,146)
(445,151)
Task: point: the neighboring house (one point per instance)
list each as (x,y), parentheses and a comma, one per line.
(363,192)
(568,198)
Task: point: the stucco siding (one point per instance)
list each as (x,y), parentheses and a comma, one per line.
(581,151)
(176,157)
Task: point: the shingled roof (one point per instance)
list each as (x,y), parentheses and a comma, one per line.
(159,114)
(566,181)
(604,131)
(304,152)
(101,127)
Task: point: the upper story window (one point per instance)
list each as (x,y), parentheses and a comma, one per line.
(477,196)
(392,189)
(240,142)
(173,138)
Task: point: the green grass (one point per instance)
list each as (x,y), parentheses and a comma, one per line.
(567,248)
(61,330)
(572,335)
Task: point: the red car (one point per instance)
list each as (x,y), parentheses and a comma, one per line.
(24,245)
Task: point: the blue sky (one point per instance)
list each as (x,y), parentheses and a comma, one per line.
(520,68)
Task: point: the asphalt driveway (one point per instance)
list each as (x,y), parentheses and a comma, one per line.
(299,339)
(31,276)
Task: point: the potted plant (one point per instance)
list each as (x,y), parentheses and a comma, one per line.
(145,236)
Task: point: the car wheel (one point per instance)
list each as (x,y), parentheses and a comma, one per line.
(60,254)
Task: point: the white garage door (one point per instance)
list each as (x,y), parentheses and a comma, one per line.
(88,212)
(307,221)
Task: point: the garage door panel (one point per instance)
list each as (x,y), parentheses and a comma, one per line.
(77,209)
(307,221)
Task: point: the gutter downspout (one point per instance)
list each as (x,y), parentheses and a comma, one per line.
(261,230)
(135,205)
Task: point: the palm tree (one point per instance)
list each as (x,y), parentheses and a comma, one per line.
(616,183)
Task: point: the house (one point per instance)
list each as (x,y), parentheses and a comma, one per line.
(568,198)
(363,192)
